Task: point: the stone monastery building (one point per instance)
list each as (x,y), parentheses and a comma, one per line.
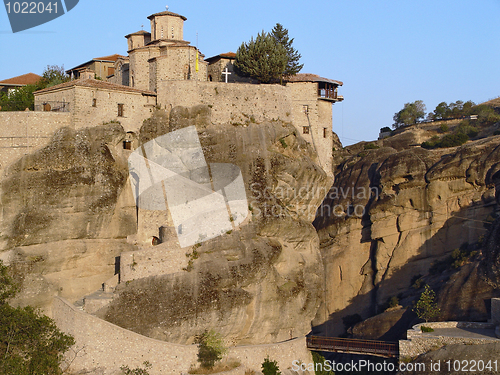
(162,70)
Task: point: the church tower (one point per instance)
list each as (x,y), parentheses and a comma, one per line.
(167,26)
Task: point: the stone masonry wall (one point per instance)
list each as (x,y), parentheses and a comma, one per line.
(230,103)
(136,108)
(418,343)
(23,132)
(106,346)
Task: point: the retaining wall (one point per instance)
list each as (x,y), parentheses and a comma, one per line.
(104,346)
(418,343)
(23,132)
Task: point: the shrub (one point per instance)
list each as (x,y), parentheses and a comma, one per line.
(444,128)
(385,129)
(371,146)
(137,371)
(211,348)
(270,367)
(426,329)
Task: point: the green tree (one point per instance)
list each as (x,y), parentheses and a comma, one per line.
(411,114)
(22,98)
(53,75)
(270,367)
(426,307)
(211,348)
(263,59)
(30,343)
(280,34)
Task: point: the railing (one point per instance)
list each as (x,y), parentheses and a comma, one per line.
(328,93)
(357,346)
(53,106)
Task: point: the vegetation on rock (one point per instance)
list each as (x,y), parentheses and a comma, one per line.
(30,343)
(270,367)
(426,307)
(411,114)
(211,348)
(269,57)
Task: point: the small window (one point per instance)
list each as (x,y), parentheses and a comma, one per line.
(94,102)
(162,32)
(325,133)
(305,129)
(120,110)
(172,33)
(127,145)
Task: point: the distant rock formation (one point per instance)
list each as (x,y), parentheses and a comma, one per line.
(390,214)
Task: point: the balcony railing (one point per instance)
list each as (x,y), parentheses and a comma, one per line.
(328,94)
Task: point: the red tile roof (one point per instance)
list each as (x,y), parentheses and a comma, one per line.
(308,77)
(227,55)
(167,13)
(110,58)
(94,83)
(25,79)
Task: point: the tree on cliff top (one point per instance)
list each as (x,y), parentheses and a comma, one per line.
(263,59)
(411,114)
(30,343)
(280,34)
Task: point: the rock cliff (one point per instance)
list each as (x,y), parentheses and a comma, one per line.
(392,213)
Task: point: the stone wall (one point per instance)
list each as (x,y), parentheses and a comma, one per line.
(86,113)
(105,346)
(23,132)
(237,104)
(418,343)
(136,107)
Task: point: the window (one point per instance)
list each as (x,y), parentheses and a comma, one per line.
(162,32)
(172,33)
(127,145)
(120,110)
(325,133)
(305,129)
(94,102)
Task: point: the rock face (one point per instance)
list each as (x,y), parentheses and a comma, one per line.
(69,214)
(64,214)
(259,283)
(390,214)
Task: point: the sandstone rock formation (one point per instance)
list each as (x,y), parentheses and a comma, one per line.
(64,214)
(69,215)
(390,214)
(259,283)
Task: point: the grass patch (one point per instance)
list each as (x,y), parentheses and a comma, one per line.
(426,329)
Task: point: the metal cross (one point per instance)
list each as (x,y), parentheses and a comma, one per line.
(226,73)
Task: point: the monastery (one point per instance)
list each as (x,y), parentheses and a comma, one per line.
(163,71)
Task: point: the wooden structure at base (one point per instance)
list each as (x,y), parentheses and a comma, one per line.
(353,346)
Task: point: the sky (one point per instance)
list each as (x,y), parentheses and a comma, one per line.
(386,52)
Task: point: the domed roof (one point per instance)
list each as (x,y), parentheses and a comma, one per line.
(166,13)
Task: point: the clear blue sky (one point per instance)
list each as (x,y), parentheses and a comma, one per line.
(387,52)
